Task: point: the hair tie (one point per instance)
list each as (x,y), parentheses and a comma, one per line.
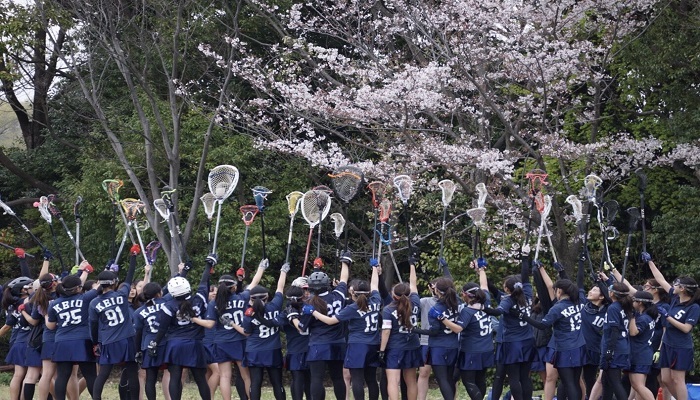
(518,285)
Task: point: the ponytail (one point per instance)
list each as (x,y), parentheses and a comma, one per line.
(185,309)
(226,282)
(515,286)
(360,291)
(447,293)
(404,308)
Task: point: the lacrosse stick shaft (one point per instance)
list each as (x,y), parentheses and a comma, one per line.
(173,240)
(245,243)
(121,247)
(289,238)
(143,252)
(584,243)
(337,255)
(381,235)
(442,230)
(216,229)
(57,247)
(180,247)
(374,234)
(643,221)
(393,261)
(308,247)
(318,241)
(72,239)
(627,256)
(9,211)
(262,228)
(127,225)
(408,228)
(529,223)
(551,245)
(78,253)
(539,241)
(7,246)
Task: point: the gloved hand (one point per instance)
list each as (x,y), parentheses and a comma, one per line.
(19,252)
(97,349)
(481,263)
(663,313)
(285,268)
(537,264)
(308,309)
(211,259)
(21,308)
(85,266)
(152,349)
(608,355)
(139,357)
(381,356)
(442,263)
(558,267)
(47,255)
(75,269)
(413,259)
(249,312)
(373,262)
(240,273)
(114,267)
(646,257)
(346,257)
(435,313)
(264,263)
(135,250)
(188,266)
(291,314)
(225,320)
(318,263)
(525,250)
(608,266)
(656,356)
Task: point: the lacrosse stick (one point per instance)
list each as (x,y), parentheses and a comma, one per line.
(324,205)
(209,202)
(78,218)
(404,187)
(260,195)
(582,227)
(448,189)
(544,206)
(378,190)
(538,180)
(642,185)
(7,246)
(547,233)
(132,209)
(591,184)
(167,195)
(347,181)
(112,186)
(293,204)
(57,213)
(635,216)
(339,224)
(162,208)
(249,212)
(384,214)
(152,252)
(606,215)
(8,211)
(312,214)
(222,181)
(477,215)
(43,206)
(121,247)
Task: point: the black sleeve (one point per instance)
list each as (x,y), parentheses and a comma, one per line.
(205,275)
(94,331)
(163,324)
(132,269)
(580,274)
(492,311)
(525,269)
(137,339)
(383,291)
(240,287)
(563,274)
(537,324)
(24,267)
(612,340)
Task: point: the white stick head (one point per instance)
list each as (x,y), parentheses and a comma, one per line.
(339,222)
(309,208)
(162,208)
(43,207)
(384,210)
(591,183)
(482,194)
(448,189)
(404,187)
(547,207)
(7,208)
(576,205)
(222,181)
(208,201)
(477,215)
(324,199)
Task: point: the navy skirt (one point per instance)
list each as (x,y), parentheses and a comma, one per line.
(186,353)
(326,352)
(476,361)
(442,356)
(515,352)
(404,359)
(676,358)
(17,354)
(639,369)
(361,355)
(228,352)
(119,352)
(32,357)
(296,362)
(265,358)
(570,358)
(75,351)
(47,350)
(154,362)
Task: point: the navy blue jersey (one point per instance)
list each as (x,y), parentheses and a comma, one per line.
(565,319)
(444,336)
(20,328)
(146,319)
(512,328)
(263,337)
(296,342)
(71,314)
(319,332)
(363,326)
(235,310)
(182,328)
(616,317)
(687,313)
(37,314)
(401,337)
(476,335)
(112,312)
(593,318)
(659,327)
(641,352)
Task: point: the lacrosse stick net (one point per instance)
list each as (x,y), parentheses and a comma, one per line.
(209,203)
(577,207)
(477,215)
(339,224)
(324,204)
(260,195)
(538,179)
(346,182)
(162,208)
(384,210)
(448,189)
(152,251)
(540,202)
(43,206)
(404,187)
(310,207)
(222,181)
(378,190)
(112,186)
(293,203)
(132,208)
(482,193)
(544,206)
(249,212)
(591,183)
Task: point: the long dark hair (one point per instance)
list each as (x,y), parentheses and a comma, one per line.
(569,288)
(185,309)
(150,292)
(226,283)
(647,301)
(474,293)
(8,299)
(691,286)
(404,308)
(41,298)
(664,297)
(516,290)
(447,294)
(319,304)
(621,293)
(361,291)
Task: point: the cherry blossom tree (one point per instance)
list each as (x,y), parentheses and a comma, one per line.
(471,90)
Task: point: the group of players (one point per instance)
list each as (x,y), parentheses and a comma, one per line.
(363,334)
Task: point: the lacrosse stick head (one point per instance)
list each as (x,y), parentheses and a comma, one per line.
(132,208)
(547,207)
(404,187)
(162,208)
(347,181)
(208,201)
(52,206)
(635,217)
(448,189)
(249,212)
(152,251)
(7,208)
(260,195)
(324,199)
(222,181)
(76,206)
(482,194)
(591,183)
(539,202)
(610,209)
(112,186)
(310,208)
(293,202)
(43,206)
(167,195)
(384,210)
(477,215)
(339,224)
(538,179)
(642,185)
(378,190)
(576,206)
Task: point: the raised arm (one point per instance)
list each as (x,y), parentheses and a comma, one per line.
(412,278)
(657,274)
(148,268)
(283,277)
(262,266)
(547,281)
(618,277)
(45,264)
(374,280)
(345,267)
(483,279)
(135,250)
